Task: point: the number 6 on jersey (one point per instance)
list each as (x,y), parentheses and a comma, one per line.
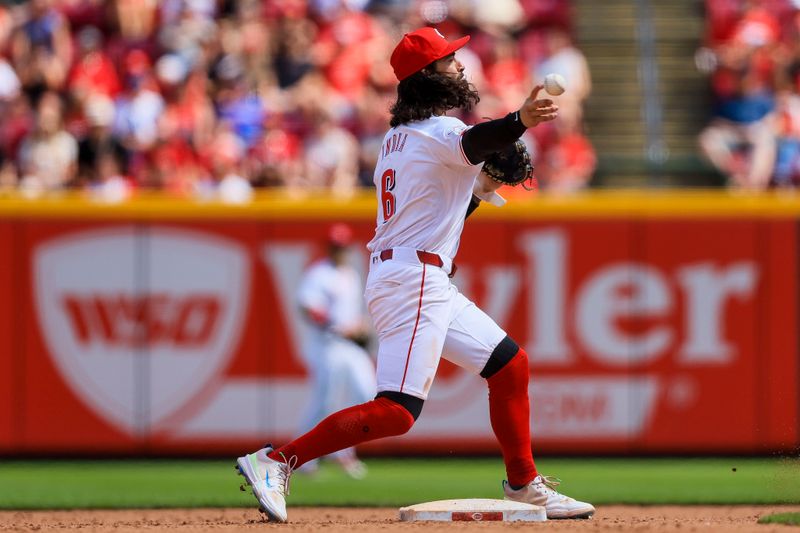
(387,198)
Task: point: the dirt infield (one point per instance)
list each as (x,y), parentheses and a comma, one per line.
(353,520)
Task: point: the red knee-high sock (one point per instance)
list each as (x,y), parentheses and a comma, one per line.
(509,411)
(361,423)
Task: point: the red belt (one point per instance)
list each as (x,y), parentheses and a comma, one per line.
(429,258)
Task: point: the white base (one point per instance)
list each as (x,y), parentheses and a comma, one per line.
(473,510)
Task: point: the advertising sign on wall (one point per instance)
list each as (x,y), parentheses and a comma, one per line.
(644,335)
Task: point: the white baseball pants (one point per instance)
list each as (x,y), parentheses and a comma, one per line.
(420,316)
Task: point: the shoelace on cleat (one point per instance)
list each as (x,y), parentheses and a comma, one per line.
(285,472)
(550,483)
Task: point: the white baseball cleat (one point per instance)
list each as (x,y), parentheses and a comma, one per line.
(541,491)
(269,480)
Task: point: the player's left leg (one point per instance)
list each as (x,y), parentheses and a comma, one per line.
(375,419)
(410,306)
(476,343)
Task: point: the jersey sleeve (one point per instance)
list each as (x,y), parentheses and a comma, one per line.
(446,142)
(311,294)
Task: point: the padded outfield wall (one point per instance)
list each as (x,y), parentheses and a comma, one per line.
(656,323)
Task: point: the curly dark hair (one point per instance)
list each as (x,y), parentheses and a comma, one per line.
(427,92)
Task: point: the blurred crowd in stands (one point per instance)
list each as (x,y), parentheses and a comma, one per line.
(752,54)
(218,97)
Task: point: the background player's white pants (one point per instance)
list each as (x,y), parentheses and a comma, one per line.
(342,375)
(420,316)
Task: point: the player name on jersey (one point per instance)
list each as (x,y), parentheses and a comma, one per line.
(395,143)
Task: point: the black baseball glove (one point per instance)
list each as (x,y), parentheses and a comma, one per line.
(511,166)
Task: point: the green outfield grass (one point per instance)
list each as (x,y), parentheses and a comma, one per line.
(790,519)
(395,482)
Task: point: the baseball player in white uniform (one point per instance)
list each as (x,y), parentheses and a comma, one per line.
(428,180)
(342,374)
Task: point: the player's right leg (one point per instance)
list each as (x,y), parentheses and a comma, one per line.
(268,471)
(410,305)
(354,381)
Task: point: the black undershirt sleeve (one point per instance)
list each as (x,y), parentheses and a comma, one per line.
(473,205)
(488,137)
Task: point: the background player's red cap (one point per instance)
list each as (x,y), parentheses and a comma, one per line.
(340,235)
(419,49)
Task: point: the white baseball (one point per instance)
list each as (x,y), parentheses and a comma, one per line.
(554,84)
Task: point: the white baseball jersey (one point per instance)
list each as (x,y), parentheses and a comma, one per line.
(424,185)
(334,292)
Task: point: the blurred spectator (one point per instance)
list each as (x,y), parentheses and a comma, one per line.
(93,72)
(223,157)
(99,143)
(757,26)
(332,155)
(7,26)
(345,52)
(257,47)
(42,48)
(372,112)
(744,63)
(234,188)
(740,141)
(48,156)
(81,13)
(18,121)
(275,158)
(506,74)
(548,13)
(188,112)
(187,29)
(787,159)
(110,184)
(140,106)
(172,165)
(9,82)
(565,59)
(567,162)
(136,19)
(237,104)
(293,60)
(499,16)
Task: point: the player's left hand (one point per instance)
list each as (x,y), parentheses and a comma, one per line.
(534,111)
(359,335)
(361,339)
(485,185)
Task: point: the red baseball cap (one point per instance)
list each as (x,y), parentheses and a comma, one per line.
(419,49)
(340,235)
